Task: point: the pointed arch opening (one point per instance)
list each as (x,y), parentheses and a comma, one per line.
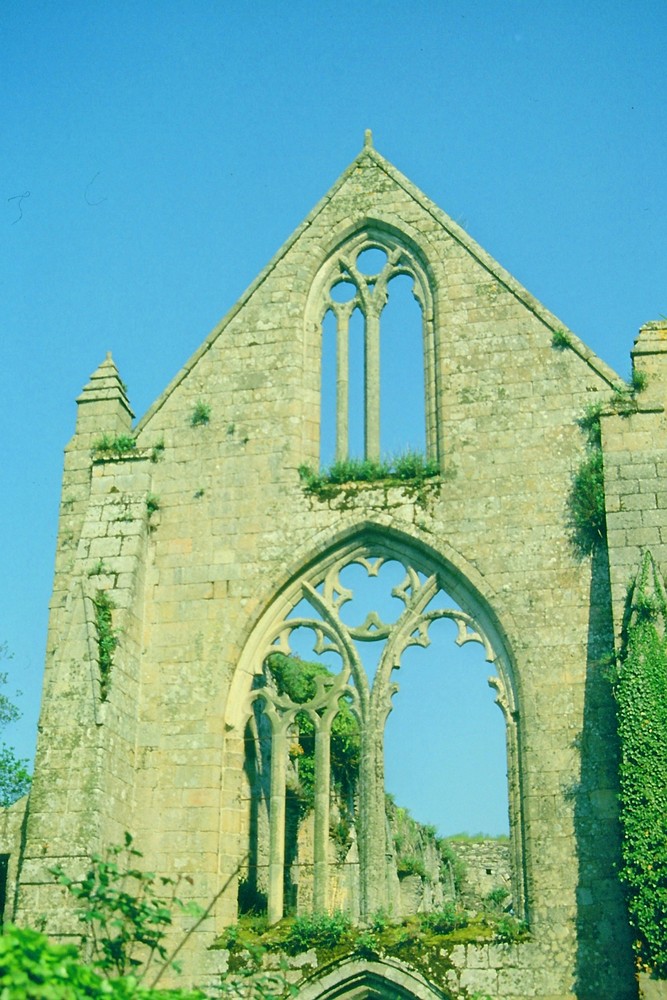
(315,823)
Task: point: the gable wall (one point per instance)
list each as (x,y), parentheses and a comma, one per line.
(234,524)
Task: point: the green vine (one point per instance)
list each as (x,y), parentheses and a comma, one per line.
(640,688)
(107,639)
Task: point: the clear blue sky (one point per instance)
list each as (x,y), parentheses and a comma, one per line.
(170,148)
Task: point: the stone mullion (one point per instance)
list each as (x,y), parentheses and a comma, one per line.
(321,818)
(372,821)
(277,819)
(343,313)
(372,385)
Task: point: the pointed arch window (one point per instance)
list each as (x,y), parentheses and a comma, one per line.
(353,292)
(292,724)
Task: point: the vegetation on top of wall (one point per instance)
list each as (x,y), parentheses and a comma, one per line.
(107,638)
(640,689)
(113,447)
(423,940)
(409,467)
(560,340)
(296,678)
(586,500)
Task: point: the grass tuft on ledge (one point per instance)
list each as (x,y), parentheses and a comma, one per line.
(410,466)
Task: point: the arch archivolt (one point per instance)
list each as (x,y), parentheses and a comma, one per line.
(313,601)
(364,980)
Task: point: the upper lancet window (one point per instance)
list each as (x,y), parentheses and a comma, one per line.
(378,369)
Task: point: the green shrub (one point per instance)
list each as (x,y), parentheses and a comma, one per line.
(124,917)
(34,968)
(317,930)
(444,920)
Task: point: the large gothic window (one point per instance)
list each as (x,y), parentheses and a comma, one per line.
(378,370)
(319,703)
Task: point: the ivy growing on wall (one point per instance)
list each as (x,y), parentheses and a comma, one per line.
(586,501)
(640,688)
(107,638)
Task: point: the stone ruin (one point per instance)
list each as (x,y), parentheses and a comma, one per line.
(195,544)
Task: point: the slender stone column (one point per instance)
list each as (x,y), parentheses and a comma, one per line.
(277,822)
(372,414)
(342,313)
(321,833)
(372,822)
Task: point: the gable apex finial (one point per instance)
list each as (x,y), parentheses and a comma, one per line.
(368,139)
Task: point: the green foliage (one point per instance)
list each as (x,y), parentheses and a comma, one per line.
(586,500)
(317,930)
(157,451)
(113,447)
(34,968)
(99,569)
(107,638)
(560,340)
(496,899)
(640,688)
(297,679)
(510,929)
(410,466)
(124,916)
(638,381)
(443,921)
(14,774)
(152,503)
(201,414)
(409,864)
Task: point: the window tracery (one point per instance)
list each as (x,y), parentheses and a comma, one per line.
(346,684)
(356,280)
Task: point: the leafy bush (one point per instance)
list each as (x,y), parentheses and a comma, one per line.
(510,929)
(444,920)
(317,930)
(640,688)
(124,918)
(34,968)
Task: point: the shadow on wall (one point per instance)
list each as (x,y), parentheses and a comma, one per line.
(605,964)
